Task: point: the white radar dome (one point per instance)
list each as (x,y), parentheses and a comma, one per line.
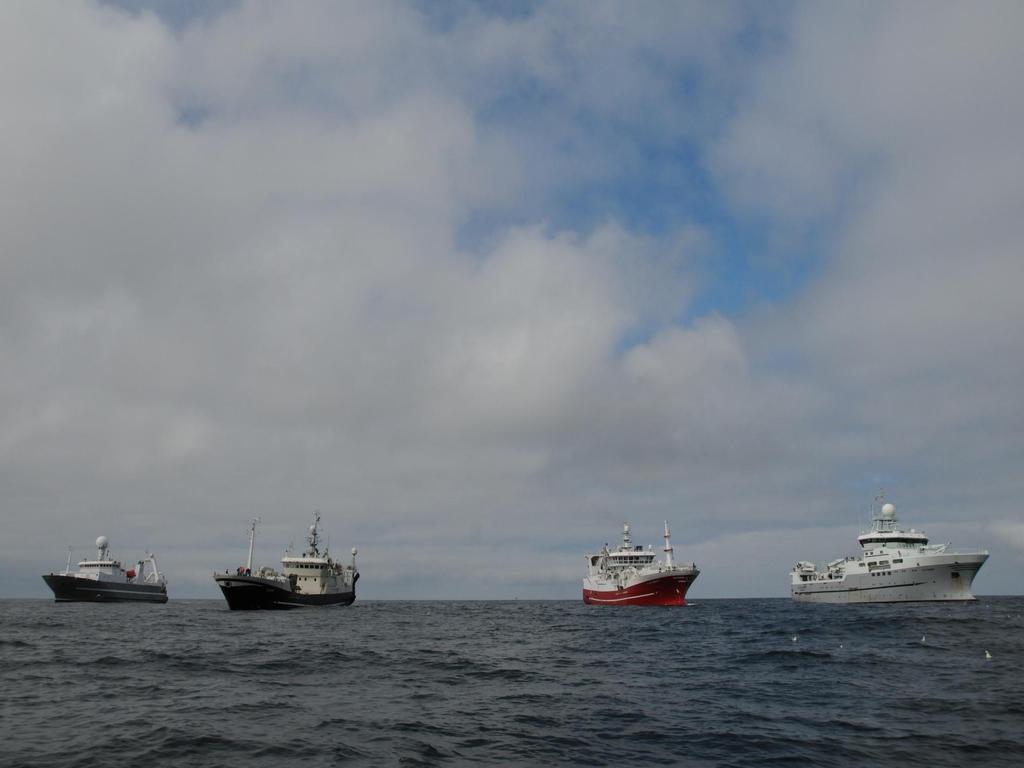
(354,551)
(101,542)
(888,511)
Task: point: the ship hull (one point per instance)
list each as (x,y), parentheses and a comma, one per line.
(71,589)
(661,590)
(948,581)
(251,593)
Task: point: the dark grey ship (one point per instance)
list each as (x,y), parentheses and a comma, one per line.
(310,579)
(105,580)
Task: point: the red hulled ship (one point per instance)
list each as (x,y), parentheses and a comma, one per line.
(629,575)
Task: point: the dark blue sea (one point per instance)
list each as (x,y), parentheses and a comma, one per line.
(718,683)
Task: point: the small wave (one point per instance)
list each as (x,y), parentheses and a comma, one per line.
(855,726)
(621,716)
(184,744)
(15,643)
(111,661)
(510,675)
(419,726)
(475,742)
(424,753)
(527,698)
(787,655)
(535,720)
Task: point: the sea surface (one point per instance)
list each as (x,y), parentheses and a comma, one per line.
(717,683)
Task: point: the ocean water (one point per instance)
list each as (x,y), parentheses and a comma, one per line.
(718,683)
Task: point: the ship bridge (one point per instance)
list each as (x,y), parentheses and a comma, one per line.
(626,555)
(637,556)
(885,531)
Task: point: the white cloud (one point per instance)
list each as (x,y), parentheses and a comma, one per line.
(903,134)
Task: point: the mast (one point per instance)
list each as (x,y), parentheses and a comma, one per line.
(668,547)
(314,536)
(252,543)
(67,568)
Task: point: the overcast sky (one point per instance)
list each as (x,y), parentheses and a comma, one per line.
(481,281)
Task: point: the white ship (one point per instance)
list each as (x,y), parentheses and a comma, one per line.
(629,575)
(896,565)
(104,580)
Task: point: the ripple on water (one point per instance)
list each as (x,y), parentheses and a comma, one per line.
(548,683)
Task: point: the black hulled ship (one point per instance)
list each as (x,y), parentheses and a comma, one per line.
(310,579)
(105,580)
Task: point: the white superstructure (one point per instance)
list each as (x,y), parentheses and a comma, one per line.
(895,565)
(105,568)
(314,572)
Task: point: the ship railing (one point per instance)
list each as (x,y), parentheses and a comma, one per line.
(946,549)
